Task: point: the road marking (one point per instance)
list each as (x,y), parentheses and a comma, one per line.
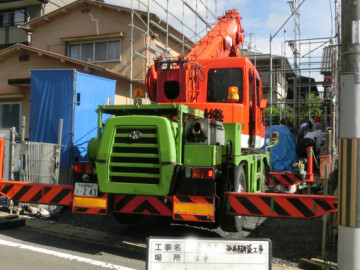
(65,256)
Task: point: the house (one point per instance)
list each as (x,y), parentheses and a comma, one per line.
(92,37)
(287,88)
(327,70)
(17,61)
(14,13)
(281,76)
(106,35)
(305,86)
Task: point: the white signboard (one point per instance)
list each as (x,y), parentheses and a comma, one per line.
(208,254)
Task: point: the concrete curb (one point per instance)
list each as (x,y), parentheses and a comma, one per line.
(8,221)
(316,264)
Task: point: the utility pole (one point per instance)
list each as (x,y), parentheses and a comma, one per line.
(295,46)
(349,143)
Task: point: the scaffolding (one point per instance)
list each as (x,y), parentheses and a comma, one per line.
(307,68)
(201,24)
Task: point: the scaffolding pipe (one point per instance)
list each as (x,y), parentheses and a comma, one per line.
(131,51)
(162,29)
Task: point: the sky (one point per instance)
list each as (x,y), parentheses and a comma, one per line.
(260,19)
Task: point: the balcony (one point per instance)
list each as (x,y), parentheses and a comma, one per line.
(10,35)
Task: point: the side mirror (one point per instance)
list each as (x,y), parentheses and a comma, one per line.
(263,104)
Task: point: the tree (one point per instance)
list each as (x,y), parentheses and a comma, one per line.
(275,115)
(288,115)
(312,103)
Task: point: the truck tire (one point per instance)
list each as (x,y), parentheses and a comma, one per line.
(230,223)
(128,218)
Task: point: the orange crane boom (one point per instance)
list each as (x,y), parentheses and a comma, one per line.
(223,40)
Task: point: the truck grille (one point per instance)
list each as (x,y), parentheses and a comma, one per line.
(135,160)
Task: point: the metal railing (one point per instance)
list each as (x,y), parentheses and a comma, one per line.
(40,162)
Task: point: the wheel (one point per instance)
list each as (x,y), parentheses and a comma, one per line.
(230,223)
(128,218)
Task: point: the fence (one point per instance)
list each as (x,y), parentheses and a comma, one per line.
(40,162)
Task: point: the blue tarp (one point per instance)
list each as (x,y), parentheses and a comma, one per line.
(283,155)
(54,95)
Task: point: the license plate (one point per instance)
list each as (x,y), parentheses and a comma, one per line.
(86,189)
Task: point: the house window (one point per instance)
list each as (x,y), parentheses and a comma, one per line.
(11,18)
(10,115)
(102,51)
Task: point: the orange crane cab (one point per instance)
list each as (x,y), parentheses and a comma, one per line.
(216,79)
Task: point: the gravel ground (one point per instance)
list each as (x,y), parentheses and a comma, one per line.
(292,239)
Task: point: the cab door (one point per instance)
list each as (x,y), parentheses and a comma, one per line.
(255,111)
(259,114)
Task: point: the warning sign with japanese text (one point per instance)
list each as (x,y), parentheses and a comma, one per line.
(209,254)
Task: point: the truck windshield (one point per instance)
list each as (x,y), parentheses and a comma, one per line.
(219,81)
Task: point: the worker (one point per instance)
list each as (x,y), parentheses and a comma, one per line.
(303,129)
(317,123)
(313,139)
(316,136)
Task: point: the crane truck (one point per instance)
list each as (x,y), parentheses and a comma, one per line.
(201,139)
(195,154)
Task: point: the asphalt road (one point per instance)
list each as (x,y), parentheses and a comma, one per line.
(43,244)
(292,239)
(31,248)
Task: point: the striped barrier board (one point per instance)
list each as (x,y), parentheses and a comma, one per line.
(287,179)
(280,205)
(186,208)
(88,210)
(145,205)
(37,193)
